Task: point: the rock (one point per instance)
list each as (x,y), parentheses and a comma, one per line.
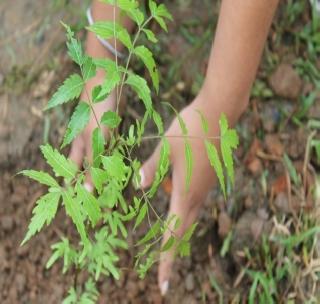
(7,223)
(189,282)
(224,223)
(286,82)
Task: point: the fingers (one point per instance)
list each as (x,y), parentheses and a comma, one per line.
(186,206)
(148,169)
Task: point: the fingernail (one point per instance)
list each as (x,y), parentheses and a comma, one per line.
(142,178)
(88,187)
(164,288)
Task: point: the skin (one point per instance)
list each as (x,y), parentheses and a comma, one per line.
(236,51)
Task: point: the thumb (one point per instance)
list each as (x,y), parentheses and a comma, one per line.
(148,169)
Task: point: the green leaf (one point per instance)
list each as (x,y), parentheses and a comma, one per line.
(182,124)
(75,51)
(150,35)
(110,29)
(229,140)
(60,165)
(141,215)
(70,89)
(147,58)
(158,121)
(77,123)
(187,236)
(73,208)
(110,119)
(139,85)
(99,177)
(90,204)
(159,13)
(204,122)
(189,162)
(168,244)
(74,46)
(89,69)
(216,164)
(98,142)
(44,212)
(114,165)
(112,79)
(152,233)
(163,166)
(130,7)
(41,177)
(292,170)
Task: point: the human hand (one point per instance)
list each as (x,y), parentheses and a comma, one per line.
(184,204)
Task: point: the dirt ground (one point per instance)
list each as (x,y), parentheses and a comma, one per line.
(33,62)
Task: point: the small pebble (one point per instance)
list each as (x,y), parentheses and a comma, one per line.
(189,282)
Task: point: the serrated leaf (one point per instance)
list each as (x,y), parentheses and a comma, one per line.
(139,85)
(41,177)
(188,234)
(110,29)
(168,244)
(146,56)
(152,233)
(98,142)
(44,212)
(130,7)
(216,164)
(204,122)
(110,119)
(73,208)
(77,123)
(89,69)
(114,165)
(228,141)
(60,165)
(141,215)
(99,177)
(181,122)
(74,46)
(112,79)
(75,51)
(158,121)
(90,204)
(150,35)
(69,90)
(189,162)
(162,168)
